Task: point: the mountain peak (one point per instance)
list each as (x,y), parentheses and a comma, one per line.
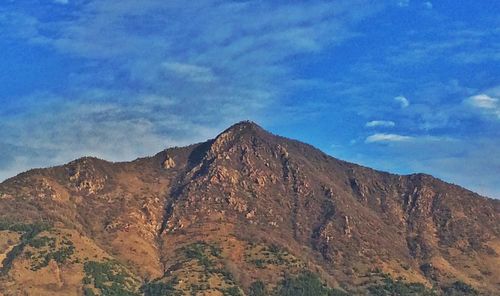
(242,126)
(236,134)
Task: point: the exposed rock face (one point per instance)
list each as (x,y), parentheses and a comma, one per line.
(249,185)
(168,163)
(84,176)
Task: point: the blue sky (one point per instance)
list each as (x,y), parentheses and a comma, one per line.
(403,86)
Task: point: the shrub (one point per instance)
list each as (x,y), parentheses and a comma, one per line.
(232,291)
(197,251)
(459,288)
(88,292)
(109,278)
(59,255)
(257,288)
(42,242)
(306,284)
(259,263)
(160,288)
(390,287)
(274,249)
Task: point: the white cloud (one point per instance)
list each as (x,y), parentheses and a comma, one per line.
(403,101)
(61,1)
(191,72)
(380,123)
(381,137)
(428,5)
(484,101)
(487,104)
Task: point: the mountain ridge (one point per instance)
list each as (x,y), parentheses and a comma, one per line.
(247,124)
(247,186)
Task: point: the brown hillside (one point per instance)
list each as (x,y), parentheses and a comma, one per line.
(248,206)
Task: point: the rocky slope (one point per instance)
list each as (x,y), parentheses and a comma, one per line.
(245,213)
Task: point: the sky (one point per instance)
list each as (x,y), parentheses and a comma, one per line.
(398,85)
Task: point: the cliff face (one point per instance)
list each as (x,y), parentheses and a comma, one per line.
(243,208)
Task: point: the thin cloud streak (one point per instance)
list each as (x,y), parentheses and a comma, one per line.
(381,137)
(380,123)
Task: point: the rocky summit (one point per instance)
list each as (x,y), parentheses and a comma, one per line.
(247,213)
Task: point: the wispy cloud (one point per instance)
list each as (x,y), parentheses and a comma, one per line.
(403,101)
(451,43)
(381,137)
(487,104)
(483,101)
(380,123)
(109,130)
(191,72)
(144,65)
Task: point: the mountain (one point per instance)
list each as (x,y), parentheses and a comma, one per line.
(247,213)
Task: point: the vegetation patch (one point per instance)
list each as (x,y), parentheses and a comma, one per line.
(202,252)
(43,241)
(159,288)
(200,270)
(459,288)
(29,232)
(109,279)
(47,249)
(306,284)
(257,288)
(232,291)
(262,256)
(390,287)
